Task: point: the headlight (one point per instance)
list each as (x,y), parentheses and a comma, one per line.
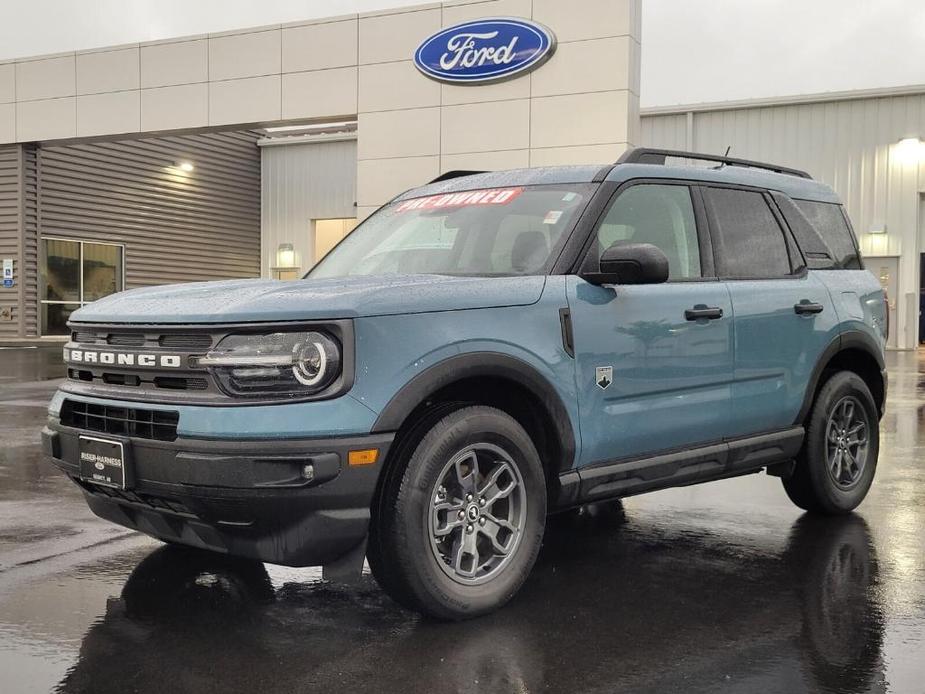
(279,364)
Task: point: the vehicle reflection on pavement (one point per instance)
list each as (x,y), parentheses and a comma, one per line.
(613,604)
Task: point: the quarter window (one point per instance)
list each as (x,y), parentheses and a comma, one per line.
(75,273)
(749,242)
(662,215)
(829,221)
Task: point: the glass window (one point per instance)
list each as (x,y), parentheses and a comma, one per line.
(829,221)
(486,232)
(662,215)
(750,242)
(75,273)
(61,278)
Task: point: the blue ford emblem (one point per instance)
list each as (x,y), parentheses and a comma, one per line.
(485,50)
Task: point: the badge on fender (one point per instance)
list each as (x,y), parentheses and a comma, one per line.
(603,376)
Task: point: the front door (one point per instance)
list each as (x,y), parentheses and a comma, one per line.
(655,362)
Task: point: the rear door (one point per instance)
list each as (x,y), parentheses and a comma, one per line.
(654,362)
(784,317)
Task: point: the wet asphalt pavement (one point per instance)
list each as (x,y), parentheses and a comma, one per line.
(723,587)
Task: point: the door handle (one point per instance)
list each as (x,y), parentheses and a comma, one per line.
(701,311)
(806,307)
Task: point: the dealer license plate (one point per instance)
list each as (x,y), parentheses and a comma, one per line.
(102,461)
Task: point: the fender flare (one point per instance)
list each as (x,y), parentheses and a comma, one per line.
(473,365)
(850,339)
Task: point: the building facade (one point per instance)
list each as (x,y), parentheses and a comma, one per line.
(335,111)
(251,153)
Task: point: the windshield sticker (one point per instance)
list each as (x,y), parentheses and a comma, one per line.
(491,196)
(552,216)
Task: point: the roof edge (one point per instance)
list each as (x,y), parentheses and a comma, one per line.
(820,97)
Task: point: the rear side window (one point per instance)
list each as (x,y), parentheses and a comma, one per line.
(829,221)
(748,240)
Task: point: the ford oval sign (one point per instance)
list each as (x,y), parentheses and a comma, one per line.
(485,50)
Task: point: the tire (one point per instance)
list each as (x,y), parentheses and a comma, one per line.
(821,483)
(418,532)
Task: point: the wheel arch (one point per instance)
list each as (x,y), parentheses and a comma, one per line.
(489,378)
(851,351)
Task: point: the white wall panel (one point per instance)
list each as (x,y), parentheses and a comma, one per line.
(302,182)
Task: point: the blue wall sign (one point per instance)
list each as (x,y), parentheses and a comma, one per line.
(485,50)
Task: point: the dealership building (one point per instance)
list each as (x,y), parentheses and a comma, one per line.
(250,153)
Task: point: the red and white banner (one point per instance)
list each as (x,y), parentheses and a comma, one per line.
(489,196)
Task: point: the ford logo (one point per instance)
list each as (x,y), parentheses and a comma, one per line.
(485,50)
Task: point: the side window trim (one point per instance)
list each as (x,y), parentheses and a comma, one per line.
(713,229)
(704,241)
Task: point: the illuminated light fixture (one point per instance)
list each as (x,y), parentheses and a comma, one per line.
(909,150)
(285,256)
(877,229)
(186,166)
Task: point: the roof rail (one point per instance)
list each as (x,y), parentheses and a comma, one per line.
(646,155)
(454,174)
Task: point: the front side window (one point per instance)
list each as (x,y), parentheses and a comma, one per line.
(75,273)
(749,241)
(488,232)
(662,215)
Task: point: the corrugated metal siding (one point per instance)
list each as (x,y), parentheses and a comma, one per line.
(176,226)
(10,195)
(30,242)
(302,182)
(849,144)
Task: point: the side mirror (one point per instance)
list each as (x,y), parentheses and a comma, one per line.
(631,263)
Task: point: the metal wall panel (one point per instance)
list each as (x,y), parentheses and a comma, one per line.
(10,247)
(849,143)
(30,242)
(302,182)
(176,226)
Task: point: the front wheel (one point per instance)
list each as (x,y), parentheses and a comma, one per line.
(463,519)
(836,466)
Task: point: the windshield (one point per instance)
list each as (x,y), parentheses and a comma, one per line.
(492,232)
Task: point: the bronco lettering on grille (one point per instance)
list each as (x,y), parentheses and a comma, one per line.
(86,356)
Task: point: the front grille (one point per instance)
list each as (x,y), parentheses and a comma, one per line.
(135,422)
(189,341)
(140,338)
(126,339)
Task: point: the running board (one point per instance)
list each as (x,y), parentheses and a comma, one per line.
(716,461)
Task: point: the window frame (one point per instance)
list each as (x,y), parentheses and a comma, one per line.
(795,256)
(81,302)
(587,259)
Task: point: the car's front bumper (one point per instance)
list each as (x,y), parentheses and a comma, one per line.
(245,497)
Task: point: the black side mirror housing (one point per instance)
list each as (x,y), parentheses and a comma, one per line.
(631,263)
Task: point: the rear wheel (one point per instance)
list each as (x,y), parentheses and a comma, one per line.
(838,460)
(463,517)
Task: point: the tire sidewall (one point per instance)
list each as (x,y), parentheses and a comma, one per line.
(830,496)
(447,438)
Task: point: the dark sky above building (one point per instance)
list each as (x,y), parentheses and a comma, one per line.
(693,50)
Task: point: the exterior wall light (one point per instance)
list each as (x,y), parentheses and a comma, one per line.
(287,263)
(909,150)
(186,166)
(285,256)
(877,229)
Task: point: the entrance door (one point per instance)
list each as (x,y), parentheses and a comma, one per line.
(651,378)
(886,270)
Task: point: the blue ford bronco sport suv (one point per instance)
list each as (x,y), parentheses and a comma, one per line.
(481,352)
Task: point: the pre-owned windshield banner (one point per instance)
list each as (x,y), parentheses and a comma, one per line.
(489,196)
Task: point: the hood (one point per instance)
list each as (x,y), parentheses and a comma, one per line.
(243,301)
